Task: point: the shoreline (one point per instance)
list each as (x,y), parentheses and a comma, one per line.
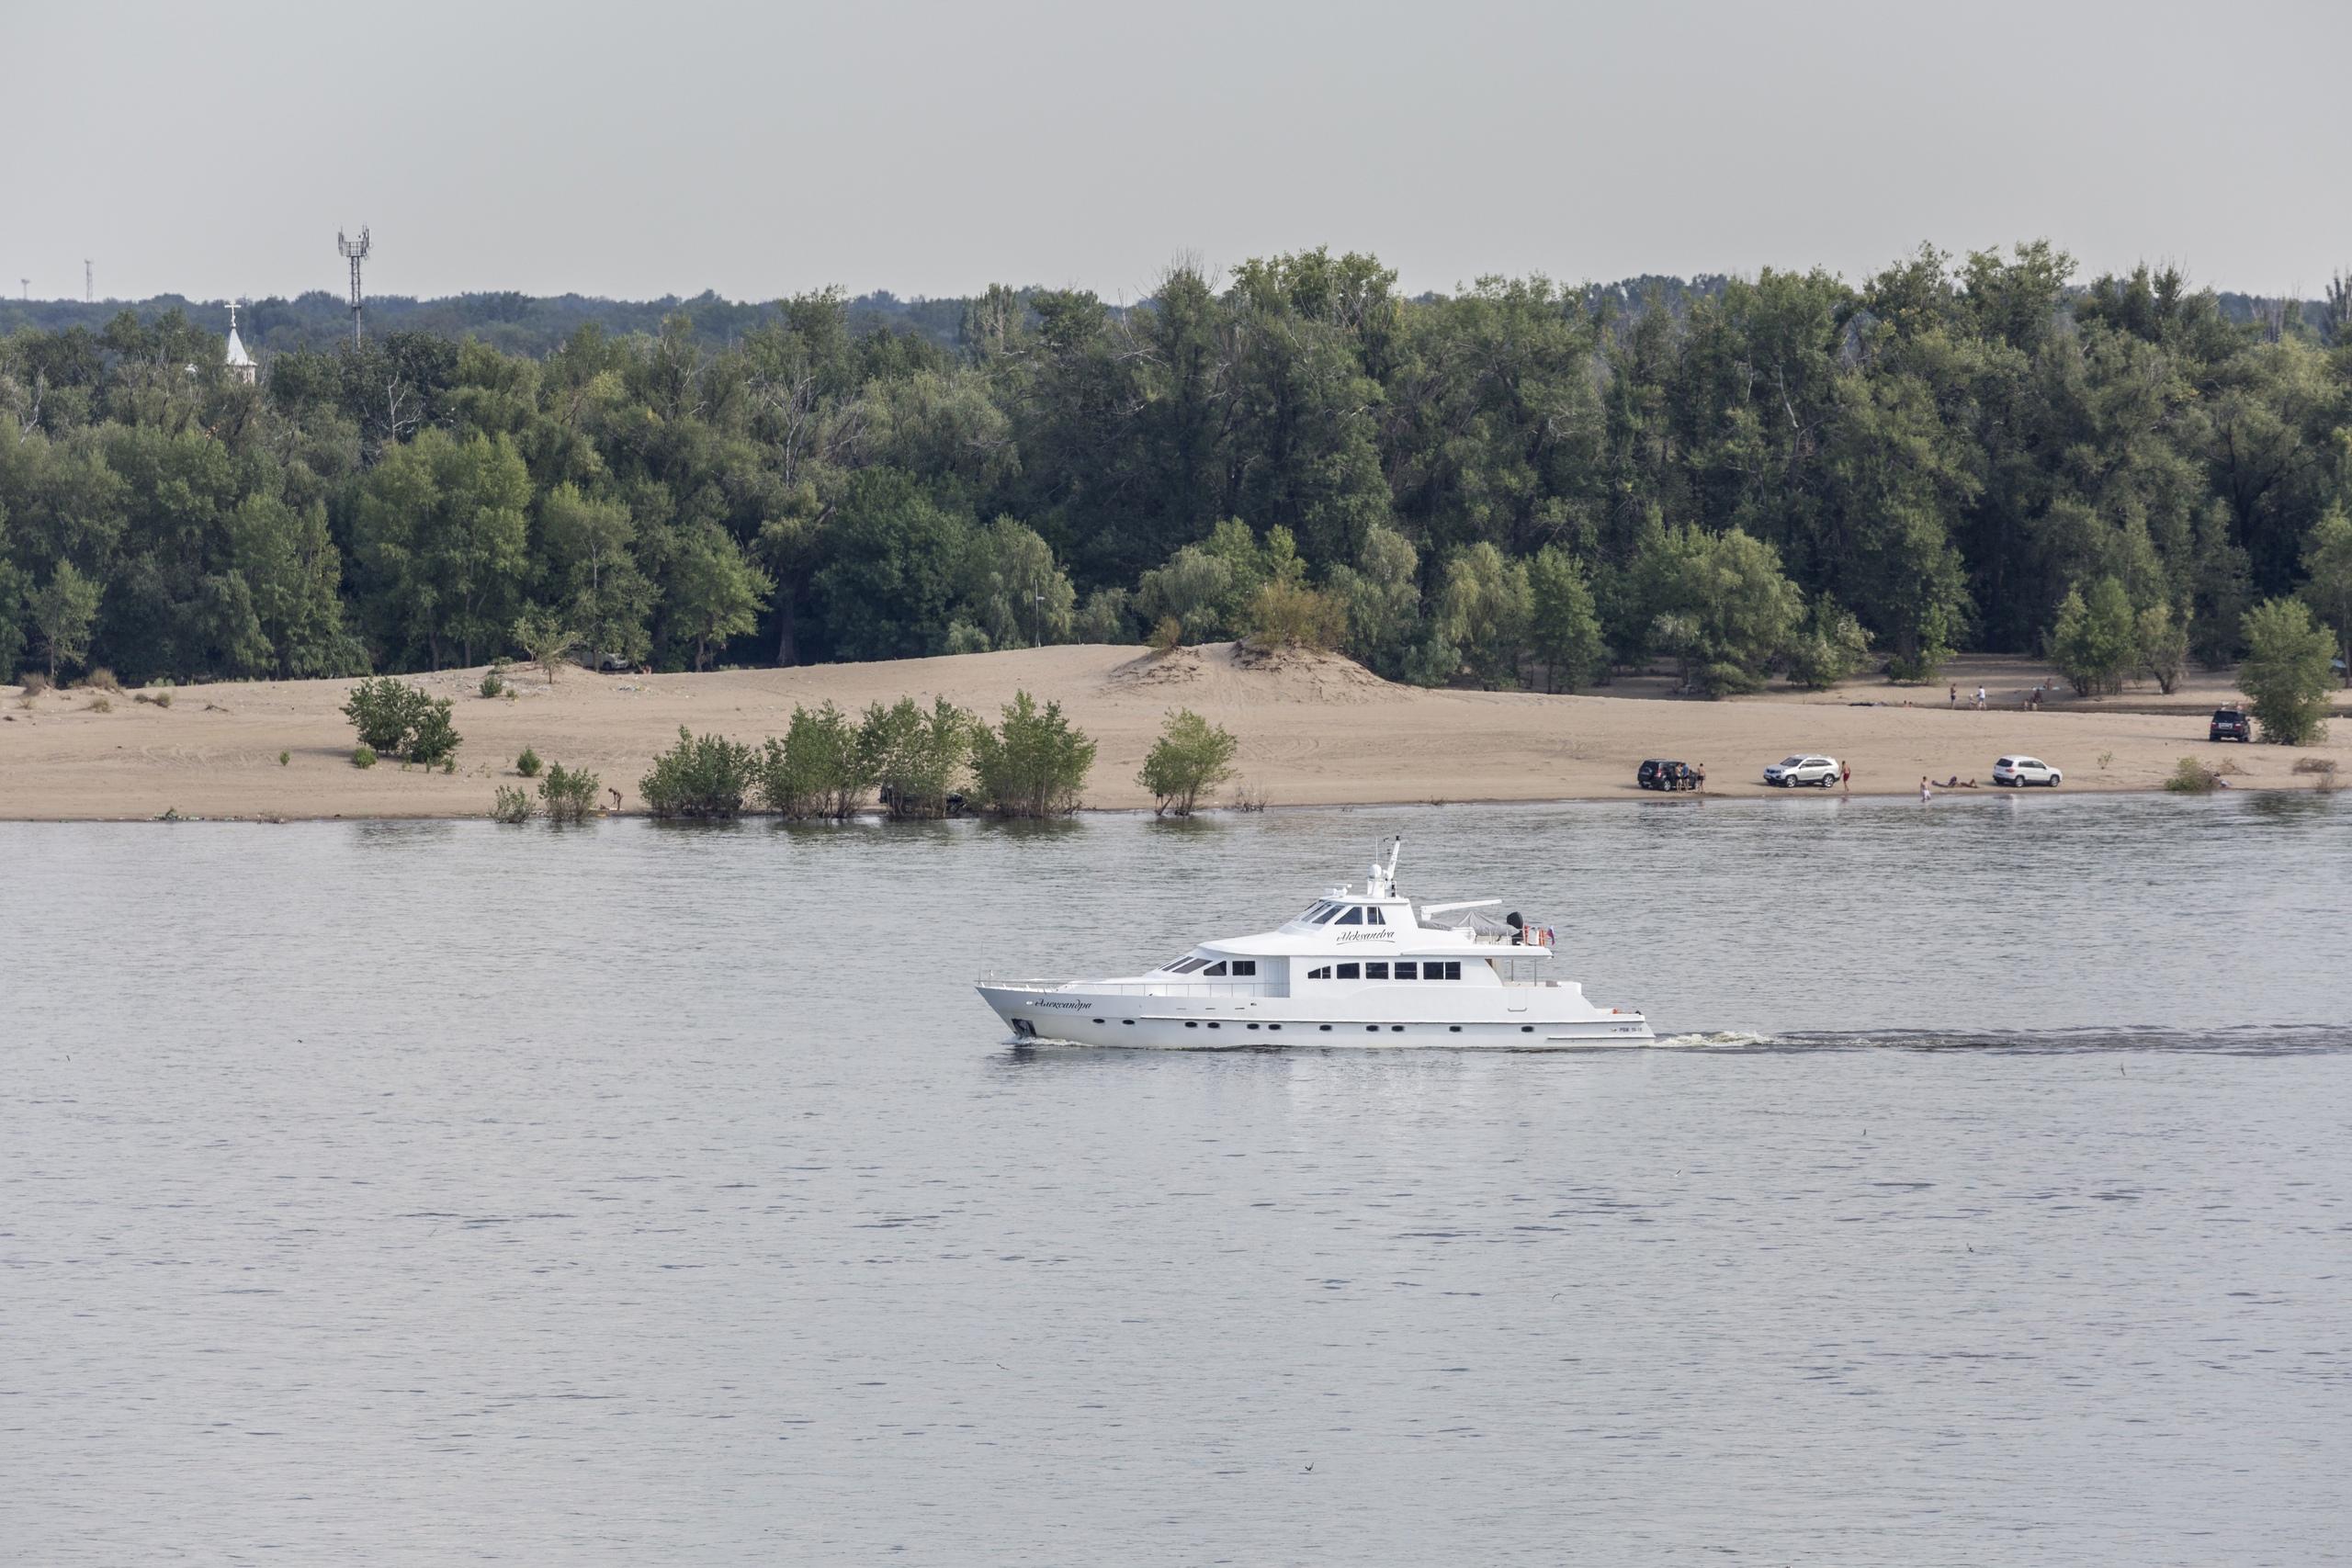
(1314,731)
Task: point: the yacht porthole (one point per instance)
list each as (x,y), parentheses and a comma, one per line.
(1190,1024)
(1326,1029)
(1396,1029)
(1102,1020)
(1454,1027)
(1129,1022)
(1253,1026)
(1527,1029)
(1372,1029)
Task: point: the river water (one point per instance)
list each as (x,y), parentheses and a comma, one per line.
(440,1192)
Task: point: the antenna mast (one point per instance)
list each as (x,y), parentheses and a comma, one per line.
(89,281)
(355,252)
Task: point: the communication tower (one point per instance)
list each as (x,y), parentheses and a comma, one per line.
(89,281)
(355,252)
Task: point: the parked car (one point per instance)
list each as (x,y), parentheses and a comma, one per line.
(2020,772)
(1803,769)
(1658,773)
(2230,724)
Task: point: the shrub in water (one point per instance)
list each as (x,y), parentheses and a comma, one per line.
(817,769)
(363,755)
(527,764)
(569,795)
(702,776)
(512,805)
(1033,764)
(914,757)
(1191,757)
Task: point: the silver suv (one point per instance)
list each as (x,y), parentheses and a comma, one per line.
(1804,769)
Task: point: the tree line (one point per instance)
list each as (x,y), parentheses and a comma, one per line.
(1520,483)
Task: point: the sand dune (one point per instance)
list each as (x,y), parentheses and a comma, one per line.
(1314,730)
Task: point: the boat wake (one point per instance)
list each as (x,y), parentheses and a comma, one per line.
(2250,1040)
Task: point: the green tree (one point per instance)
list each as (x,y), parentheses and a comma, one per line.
(1033,763)
(2163,640)
(63,611)
(1830,647)
(546,638)
(1721,606)
(1482,609)
(2328,565)
(712,590)
(702,777)
(2096,641)
(1562,627)
(1191,758)
(2285,672)
(1383,595)
(592,572)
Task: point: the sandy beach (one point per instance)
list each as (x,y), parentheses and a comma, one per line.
(1312,730)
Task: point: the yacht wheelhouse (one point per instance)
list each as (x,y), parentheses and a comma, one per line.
(1356,967)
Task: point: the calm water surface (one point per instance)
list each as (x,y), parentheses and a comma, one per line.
(425,1193)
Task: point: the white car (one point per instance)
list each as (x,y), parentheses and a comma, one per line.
(1789,772)
(2020,772)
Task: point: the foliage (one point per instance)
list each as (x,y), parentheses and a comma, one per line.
(2285,674)
(1830,647)
(568,795)
(1167,635)
(915,757)
(819,769)
(63,614)
(1191,758)
(1290,615)
(101,680)
(2327,566)
(527,764)
(2095,641)
(397,720)
(1563,625)
(512,805)
(1032,763)
(1940,450)
(2163,640)
(493,681)
(703,777)
(2190,776)
(546,639)
(363,755)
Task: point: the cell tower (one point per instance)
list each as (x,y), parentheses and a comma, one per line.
(89,281)
(355,252)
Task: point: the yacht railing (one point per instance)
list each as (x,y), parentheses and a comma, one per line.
(1147,987)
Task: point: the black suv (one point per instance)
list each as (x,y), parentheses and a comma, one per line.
(2229,724)
(1659,774)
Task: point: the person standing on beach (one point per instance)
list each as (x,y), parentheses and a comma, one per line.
(1952,693)
(1846,777)
(1926,795)
(1980,699)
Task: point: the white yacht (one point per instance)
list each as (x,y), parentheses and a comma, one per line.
(1353,969)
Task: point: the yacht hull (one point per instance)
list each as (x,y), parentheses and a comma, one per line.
(1542,1018)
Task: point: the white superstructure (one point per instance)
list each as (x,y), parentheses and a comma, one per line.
(1355,968)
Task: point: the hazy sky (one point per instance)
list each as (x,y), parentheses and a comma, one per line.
(762,149)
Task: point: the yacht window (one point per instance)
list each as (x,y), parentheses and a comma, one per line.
(1212,971)
(1353,916)
(1373,917)
(1245,966)
(1185,965)
(1351,971)
(1407,970)
(1375,971)
(1453,967)
(1322,974)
